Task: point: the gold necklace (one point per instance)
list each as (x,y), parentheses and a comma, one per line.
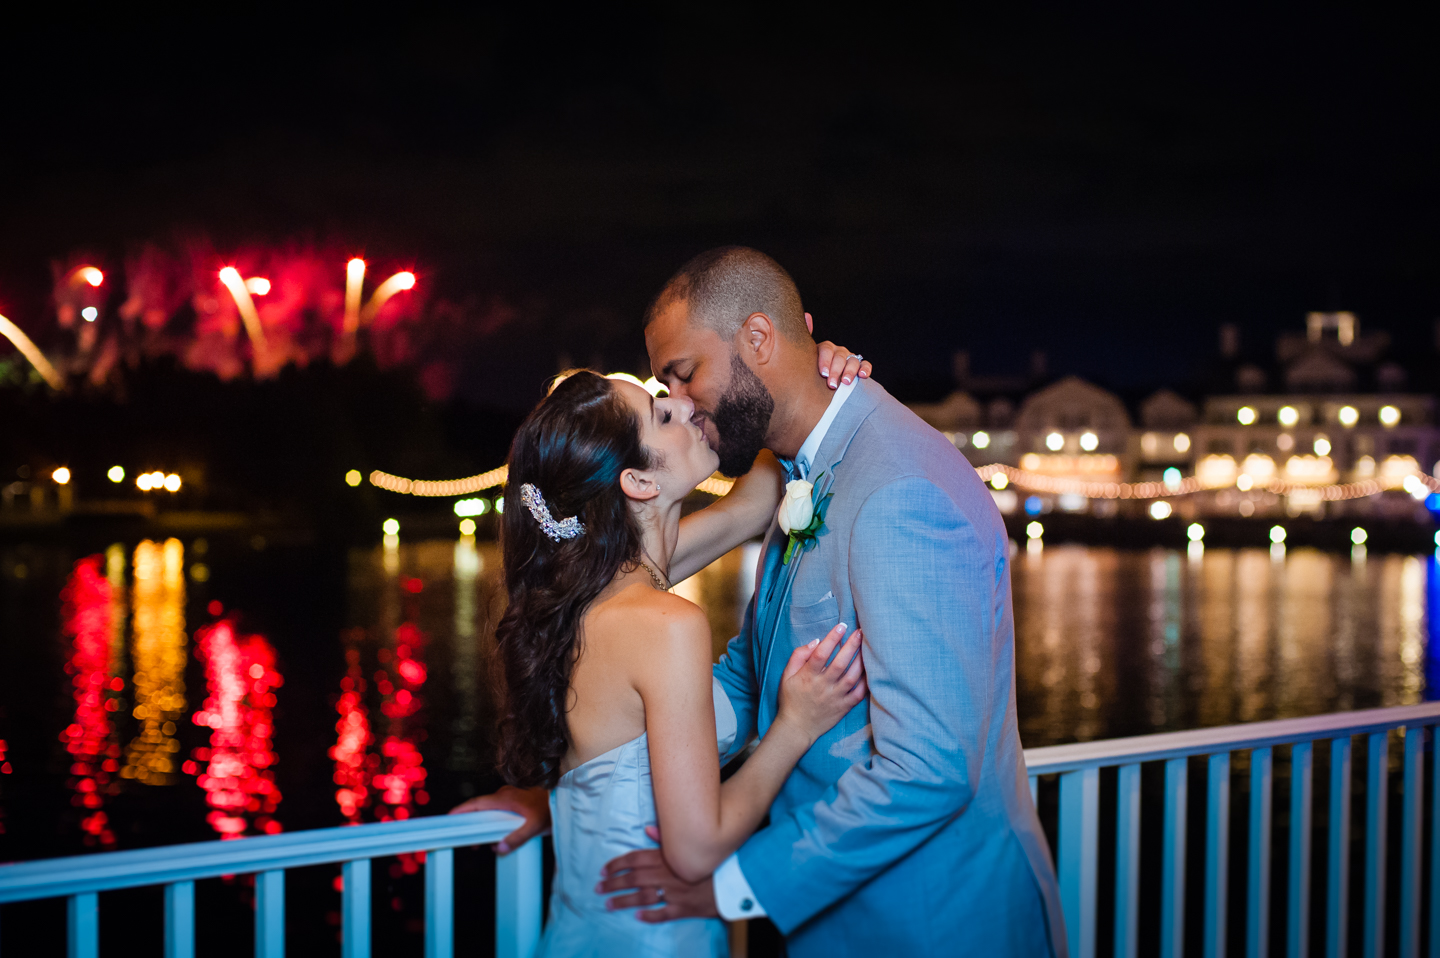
(655,577)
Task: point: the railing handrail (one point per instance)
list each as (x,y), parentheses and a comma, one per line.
(78,874)
(1207,741)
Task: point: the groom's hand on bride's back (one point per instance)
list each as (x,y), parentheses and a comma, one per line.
(645,880)
(531,803)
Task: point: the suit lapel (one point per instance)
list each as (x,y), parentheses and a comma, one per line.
(778,578)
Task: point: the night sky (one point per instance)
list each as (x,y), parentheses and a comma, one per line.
(1107,187)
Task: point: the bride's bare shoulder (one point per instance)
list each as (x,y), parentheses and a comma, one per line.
(645,616)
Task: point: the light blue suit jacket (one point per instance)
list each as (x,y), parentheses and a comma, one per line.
(908,828)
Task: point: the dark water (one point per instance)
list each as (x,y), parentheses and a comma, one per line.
(179,690)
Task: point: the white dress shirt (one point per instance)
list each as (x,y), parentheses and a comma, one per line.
(733,896)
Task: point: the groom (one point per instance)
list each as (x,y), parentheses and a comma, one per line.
(908,828)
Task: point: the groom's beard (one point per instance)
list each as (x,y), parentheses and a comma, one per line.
(742,419)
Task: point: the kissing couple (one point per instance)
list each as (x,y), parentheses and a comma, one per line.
(874,665)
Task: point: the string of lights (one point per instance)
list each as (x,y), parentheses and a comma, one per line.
(440,487)
(1002,476)
(998,475)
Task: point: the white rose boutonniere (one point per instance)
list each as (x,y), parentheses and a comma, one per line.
(801,516)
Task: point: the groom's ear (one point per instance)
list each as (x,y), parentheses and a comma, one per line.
(757,336)
(639,486)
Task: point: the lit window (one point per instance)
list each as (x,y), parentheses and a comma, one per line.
(981,440)
(1389,415)
(1089,441)
(1348,415)
(1288,416)
(1182,442)
(1055,442)
(1246,415)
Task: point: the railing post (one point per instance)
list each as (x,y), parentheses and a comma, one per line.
(82,926)
(1337,896)
(1434,841)
(1127,863)
(180,919)
(1172,893)
(1079,851)
(1217,852)
(1301,788)
(518,901)
(1262,792)
(1376,787)
(440,903)
(355,909)
(270,914)
(1410,846)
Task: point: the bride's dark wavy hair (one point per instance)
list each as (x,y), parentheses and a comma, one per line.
(572,448)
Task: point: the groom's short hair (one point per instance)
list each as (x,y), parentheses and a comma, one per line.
(722,288)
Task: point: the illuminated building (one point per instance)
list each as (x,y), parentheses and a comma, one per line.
(1340,416)
(239,777)
(158,653)
(1341,438)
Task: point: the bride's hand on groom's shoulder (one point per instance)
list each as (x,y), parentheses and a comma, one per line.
(533,804)
(839,365)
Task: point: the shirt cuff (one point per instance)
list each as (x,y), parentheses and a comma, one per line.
(733,897)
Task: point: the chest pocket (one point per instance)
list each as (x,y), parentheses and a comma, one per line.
(814,620)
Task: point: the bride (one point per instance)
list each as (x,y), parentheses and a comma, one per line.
(608,698)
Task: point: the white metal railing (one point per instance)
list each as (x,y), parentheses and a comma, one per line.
(81,878)
(518,889)
(1078,767)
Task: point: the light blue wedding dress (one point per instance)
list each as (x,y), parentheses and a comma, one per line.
(599,811)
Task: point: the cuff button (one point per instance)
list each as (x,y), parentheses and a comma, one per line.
(746,904)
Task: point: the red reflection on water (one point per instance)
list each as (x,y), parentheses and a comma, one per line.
(5,769)
(401,782)
(239,780)
(354,763)
(94,752)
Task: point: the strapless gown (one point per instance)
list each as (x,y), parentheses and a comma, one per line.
(598,811)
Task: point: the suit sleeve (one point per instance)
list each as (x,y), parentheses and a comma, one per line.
(924,589)
(736,673)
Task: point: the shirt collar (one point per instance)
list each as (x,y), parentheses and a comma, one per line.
(808,449)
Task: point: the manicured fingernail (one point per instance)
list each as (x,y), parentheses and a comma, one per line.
(813,643)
